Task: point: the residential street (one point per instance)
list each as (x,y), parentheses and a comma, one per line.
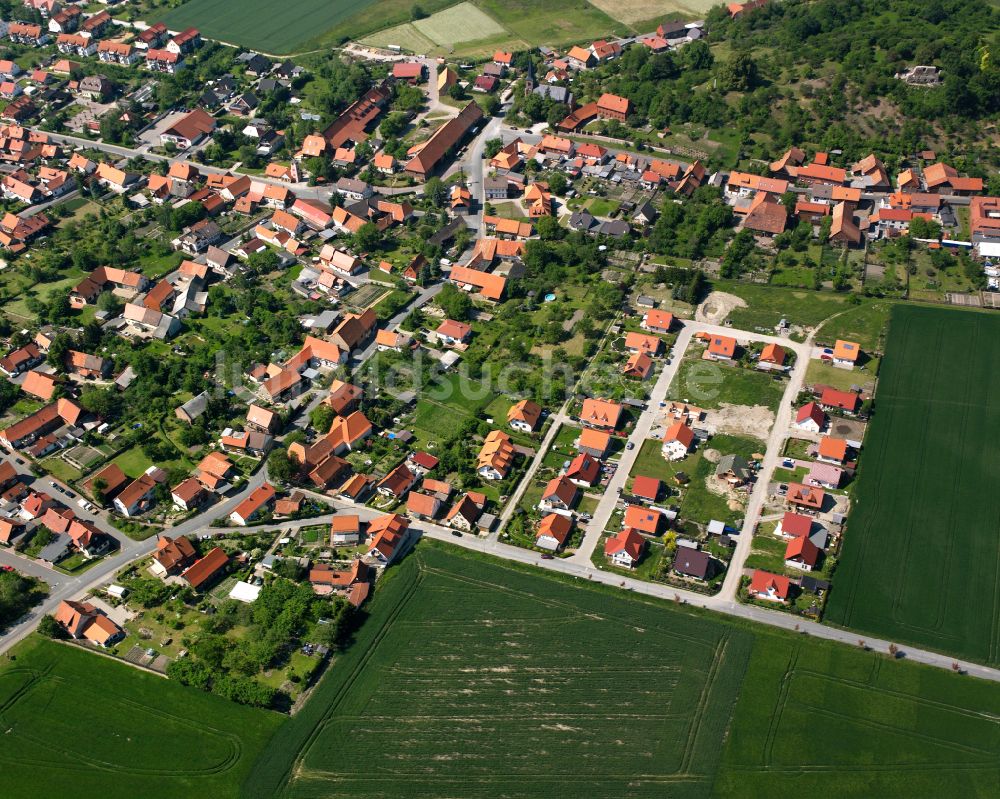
(616,485)
(302,190)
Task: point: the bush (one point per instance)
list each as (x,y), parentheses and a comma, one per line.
(50,628)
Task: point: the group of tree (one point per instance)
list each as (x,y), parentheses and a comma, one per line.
(270,629)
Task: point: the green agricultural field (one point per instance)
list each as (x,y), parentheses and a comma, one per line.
(81,725)
(821,719)
(492,680)
(920,555)
(301,25)
(481,27)
(461,23)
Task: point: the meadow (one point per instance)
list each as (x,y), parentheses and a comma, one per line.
(644,15)
(921,557)
(479,28)
(710,385)
(82,725)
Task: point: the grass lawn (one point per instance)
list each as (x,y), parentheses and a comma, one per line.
(866,324)
(711,385)
(767,305)
(87,726)
(440,422)
(133,462)
(535,658)
(830,375)
(77,564)
(925,498)
(57,467)
(155,267)
(598,206)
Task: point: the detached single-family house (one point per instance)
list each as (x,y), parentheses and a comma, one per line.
(625,549)
(677,441)
(496,456)
(524,416)
(801,553)
(256,504)
(810,417)
(846,354)
(553,532)
(772,587)
(560,495)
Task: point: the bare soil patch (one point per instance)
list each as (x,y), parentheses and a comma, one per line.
(717,306)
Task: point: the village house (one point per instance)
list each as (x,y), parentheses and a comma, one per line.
(345,530)
(524,416)
(172,556)
(560,495)
(464,514)
(638,366)
(259,502)
(205,571)
(397,483)
(584,470)
(646,520)
(625,549)
(388,536)
(594,442)
(801,553)
(846,354)
(810,417)
(805,498)
(553,532)
(734,470)
(189,130)
(721,348)
(601,414)
(189,494)
(496,457)
(693,563)
(638,342)
(677,441)
(83,620)
(136,497)
(656,321)
(768,586)
(452,334)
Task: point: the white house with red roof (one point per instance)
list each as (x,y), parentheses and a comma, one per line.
(584,470)
(677,441)
(772,587)
(625,549)
(810,417)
